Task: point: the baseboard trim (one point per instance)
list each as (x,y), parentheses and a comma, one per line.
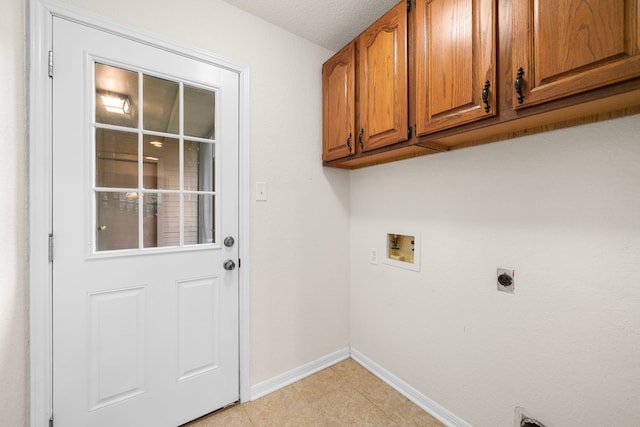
(437,411)
(283,380)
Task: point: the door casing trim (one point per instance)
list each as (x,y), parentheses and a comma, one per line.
(40,15)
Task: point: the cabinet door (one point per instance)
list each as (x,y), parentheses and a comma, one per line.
(455,63)
(382,81)
(338,105)
(566,47)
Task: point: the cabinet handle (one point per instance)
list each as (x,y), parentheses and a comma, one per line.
(485,96)
(349,142)
(519,85)
(360,138)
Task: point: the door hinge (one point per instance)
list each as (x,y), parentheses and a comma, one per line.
(50,63)
(410,132)
(50,247)
(408,5)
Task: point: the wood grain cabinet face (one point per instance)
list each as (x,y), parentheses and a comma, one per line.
(455,42)
(382,81)
(572,46)
(338,105)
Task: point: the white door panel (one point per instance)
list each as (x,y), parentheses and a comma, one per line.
(147,334)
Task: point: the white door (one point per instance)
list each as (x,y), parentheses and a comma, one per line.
(145,191)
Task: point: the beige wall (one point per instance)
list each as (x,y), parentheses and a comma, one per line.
(563,210)
(13,246)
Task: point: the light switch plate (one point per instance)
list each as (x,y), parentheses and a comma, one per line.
(261,191)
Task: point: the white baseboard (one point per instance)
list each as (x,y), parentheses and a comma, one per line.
(437,411)
(299,373)
(283,380)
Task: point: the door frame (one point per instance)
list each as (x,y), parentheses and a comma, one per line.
(40,15)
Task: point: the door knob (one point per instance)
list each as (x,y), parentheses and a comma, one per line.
(229,265)
(229,241)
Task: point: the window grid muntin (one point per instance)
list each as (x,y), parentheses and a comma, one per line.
(141,191)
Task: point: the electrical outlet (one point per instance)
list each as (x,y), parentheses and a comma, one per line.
(505,280)
(522,420)
(373,257)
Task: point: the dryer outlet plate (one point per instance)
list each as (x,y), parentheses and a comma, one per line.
(505,280)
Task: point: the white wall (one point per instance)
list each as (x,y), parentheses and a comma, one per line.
(563,210)
(13,247)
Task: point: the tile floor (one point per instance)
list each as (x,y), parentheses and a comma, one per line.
(345,394)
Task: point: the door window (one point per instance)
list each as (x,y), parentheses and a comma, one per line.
(154,161)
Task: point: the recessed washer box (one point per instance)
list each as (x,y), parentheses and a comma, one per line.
(402,249)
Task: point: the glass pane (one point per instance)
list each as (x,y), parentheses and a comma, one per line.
(161,220)
(116,159)
(199,166)
(161,105)
(199,219)
(199,112)
(116,96)
(116,221)
(161,157)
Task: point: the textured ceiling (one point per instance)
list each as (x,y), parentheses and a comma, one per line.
(328,23)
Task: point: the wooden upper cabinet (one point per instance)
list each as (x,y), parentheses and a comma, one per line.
(382,81)
(437,68)
(567,47)
(455,53)
(338,104)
